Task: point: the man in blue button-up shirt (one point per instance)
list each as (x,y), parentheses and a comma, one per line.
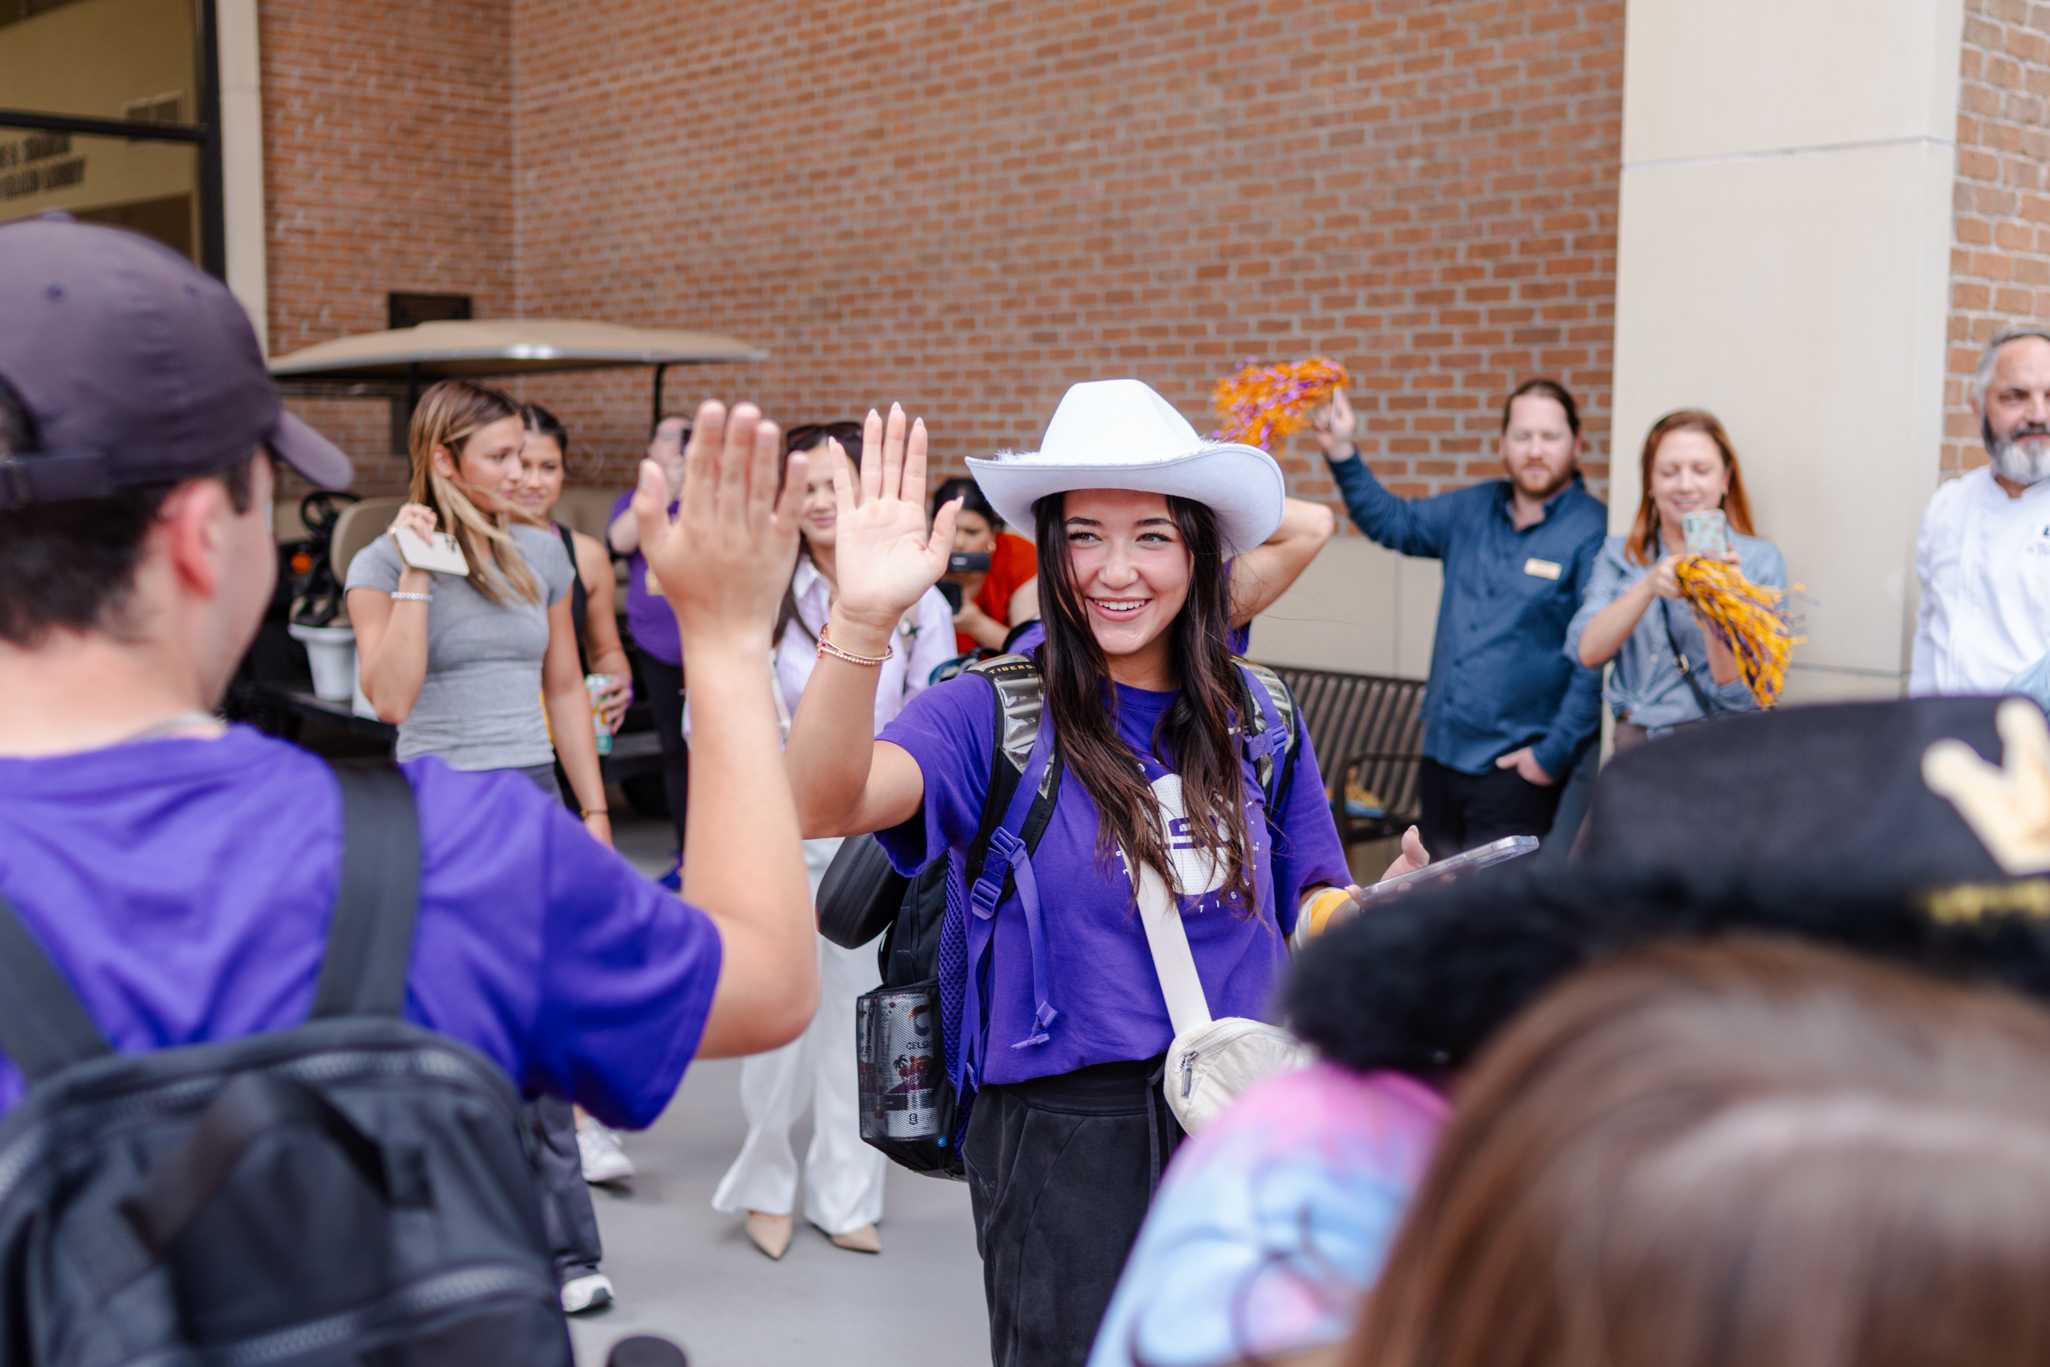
(1506,715)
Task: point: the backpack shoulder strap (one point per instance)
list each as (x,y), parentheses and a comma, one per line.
(1270,730)
(44,1027)
(1024,776)
(1020,704)
(370,939)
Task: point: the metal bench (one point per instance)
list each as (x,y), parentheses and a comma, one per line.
(1367,728)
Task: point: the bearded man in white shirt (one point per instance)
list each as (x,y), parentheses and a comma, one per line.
(1983,556)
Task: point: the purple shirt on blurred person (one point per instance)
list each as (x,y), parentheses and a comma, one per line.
(1103,982)
(185,888)
(648,614)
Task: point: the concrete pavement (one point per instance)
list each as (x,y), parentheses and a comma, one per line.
(686,1272)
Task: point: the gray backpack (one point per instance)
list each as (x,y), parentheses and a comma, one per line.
(352,1190)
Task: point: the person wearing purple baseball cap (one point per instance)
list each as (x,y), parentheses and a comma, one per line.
(181,873)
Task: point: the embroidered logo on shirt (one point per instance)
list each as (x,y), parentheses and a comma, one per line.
(1542,569)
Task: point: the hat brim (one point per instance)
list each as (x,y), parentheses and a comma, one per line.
(318,460)
(1240,484)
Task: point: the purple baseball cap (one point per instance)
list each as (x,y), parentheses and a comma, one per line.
(136,367)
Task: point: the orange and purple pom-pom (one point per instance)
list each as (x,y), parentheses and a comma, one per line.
(1261,404)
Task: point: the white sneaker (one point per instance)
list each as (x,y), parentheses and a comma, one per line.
(588,1292)
(602,1158)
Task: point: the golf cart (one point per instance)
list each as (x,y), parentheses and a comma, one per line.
(299,677)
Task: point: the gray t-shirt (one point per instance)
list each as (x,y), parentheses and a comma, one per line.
(480,704)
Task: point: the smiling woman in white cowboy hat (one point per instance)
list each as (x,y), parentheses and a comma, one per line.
(1062,1049)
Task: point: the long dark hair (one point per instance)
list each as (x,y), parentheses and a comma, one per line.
(539,420)
(1194,739)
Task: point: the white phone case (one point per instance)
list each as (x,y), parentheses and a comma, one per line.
(441,555)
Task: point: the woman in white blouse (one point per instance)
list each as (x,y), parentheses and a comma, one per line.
(843,1177)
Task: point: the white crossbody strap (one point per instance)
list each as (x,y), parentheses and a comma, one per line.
(1173,961)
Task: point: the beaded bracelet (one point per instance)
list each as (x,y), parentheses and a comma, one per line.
(412,597)
(826,647)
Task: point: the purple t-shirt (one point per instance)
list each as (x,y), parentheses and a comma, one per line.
(648,615)
(185,888)
(1101,974)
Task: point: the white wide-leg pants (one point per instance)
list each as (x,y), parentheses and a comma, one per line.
(843,1177)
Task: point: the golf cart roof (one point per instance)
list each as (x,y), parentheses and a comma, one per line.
(477,348)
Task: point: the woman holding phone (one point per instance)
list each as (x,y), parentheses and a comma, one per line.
(1135,516)
(476,668)
(1671,671)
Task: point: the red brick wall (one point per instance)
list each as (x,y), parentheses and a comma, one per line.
(387,166)
(2000,249)
(966,205)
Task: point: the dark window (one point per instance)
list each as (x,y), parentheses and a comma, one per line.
(110,111)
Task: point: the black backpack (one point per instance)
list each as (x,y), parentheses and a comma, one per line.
(351,1190)
(913,1049)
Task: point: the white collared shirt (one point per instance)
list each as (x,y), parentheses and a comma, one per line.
(922,642)
(1983,559)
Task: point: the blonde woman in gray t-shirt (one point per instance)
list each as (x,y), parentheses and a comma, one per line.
(465,666)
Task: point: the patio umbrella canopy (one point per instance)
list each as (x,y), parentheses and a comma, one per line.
(474,349)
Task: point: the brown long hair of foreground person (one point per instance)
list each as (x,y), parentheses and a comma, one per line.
(1748,1153)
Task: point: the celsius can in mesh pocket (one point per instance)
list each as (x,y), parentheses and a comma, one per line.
(907,1105)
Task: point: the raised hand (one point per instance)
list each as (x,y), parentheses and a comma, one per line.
(726,558)
(884,555)
(417,518)
(1335,425)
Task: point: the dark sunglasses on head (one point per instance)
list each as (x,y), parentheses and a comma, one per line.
(807,435)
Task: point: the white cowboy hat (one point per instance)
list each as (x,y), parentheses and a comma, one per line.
(1119,434)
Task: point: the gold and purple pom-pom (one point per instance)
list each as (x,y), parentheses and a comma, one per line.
(1259,405)
(1749,618)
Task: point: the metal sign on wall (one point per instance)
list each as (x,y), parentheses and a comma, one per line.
(38,164)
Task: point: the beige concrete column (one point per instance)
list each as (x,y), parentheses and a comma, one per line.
(1784,261)
(242,158)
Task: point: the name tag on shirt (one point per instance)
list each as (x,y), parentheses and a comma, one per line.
(1542,569)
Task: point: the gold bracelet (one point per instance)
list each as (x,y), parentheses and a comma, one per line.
(826,647)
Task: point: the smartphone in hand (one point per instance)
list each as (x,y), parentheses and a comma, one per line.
(439,554)
(1708,533)
(1449,870)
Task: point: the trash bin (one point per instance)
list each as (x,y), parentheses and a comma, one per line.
(331,651)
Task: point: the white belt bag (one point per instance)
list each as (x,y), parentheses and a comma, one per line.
(1210,1061)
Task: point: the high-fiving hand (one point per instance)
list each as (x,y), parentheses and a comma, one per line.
(885,556)
(726,558)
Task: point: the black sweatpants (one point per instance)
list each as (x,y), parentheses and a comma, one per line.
(1060,1172)
(552,1155)
(1462,811)
(566,1211)
(664,691)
